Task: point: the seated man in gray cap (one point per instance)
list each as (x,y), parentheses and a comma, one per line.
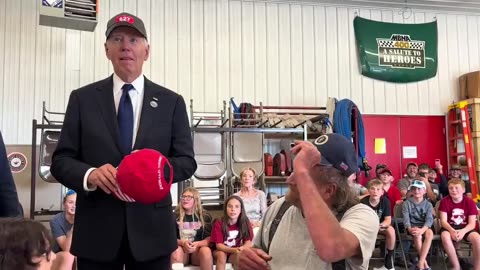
(319,224)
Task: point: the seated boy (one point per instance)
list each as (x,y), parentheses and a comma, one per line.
(458,215)
(392,192)
(418,219)
(62,229)
(381,206)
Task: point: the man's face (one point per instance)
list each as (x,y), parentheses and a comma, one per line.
(412,171)
(127,49)
(423,172)
(455,173)
(293,195)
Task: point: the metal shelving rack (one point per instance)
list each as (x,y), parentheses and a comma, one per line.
(246,123)
(46,124)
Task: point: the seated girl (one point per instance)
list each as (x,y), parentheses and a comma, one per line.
(194,226)
(231,233)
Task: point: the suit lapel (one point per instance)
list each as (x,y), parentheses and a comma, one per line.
(106,104)
(147,115)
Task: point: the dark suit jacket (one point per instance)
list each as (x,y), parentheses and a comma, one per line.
(90,138)
(9,205)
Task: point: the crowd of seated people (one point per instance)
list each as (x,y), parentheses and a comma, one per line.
(204,242)
(227,235)
(419,192)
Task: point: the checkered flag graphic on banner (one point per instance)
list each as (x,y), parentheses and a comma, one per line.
(417,45)
(385,43)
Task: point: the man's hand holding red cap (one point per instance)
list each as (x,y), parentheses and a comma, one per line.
(104,177)
(252,259)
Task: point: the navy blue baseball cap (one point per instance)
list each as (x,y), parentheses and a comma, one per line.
(337,151)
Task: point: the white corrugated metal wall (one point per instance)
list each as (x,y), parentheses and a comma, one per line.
(279,53)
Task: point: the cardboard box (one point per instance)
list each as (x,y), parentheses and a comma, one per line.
(470,85)
(474,105)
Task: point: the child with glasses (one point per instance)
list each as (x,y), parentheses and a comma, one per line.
(26,244)
(418,219)
(232,233)
(194,226)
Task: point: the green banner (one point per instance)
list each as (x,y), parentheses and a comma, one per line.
(395,52)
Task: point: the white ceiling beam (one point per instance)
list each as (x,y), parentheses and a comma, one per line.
(449,6)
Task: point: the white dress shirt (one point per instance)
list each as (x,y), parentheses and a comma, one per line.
(136,96)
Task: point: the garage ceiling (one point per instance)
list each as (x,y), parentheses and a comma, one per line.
(464,6)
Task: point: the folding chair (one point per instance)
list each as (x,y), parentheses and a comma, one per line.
(381,244)
(404,236)
(211,167)
(210,155)
(48,143)
(247,151)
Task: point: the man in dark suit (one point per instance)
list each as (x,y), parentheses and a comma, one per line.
(104,122)
(9,205)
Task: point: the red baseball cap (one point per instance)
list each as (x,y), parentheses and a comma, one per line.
(144,176)
(383,170)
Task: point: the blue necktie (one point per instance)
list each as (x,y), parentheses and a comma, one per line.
(125,120)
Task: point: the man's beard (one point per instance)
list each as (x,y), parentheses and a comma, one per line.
(293,197)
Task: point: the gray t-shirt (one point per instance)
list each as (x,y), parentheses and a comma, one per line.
(403,184)
(255,207)
(293,249)
(417,214)
(60,227)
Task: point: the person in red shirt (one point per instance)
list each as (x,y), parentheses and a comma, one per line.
(458,215)
(391,191)
(231,233)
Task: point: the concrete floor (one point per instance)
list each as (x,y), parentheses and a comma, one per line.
(435,261)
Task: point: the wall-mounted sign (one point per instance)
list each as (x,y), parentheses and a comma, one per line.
(17,162)
(409,152)
(396,52)
(380,146)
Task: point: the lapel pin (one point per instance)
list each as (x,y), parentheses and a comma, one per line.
(153,104)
